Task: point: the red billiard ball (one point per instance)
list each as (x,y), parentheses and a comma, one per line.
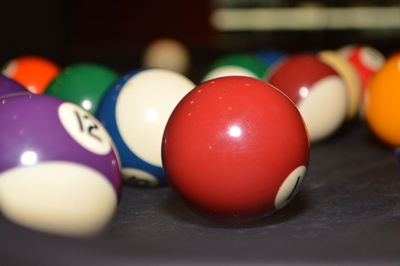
(235,149)
(365,59)
(317,90)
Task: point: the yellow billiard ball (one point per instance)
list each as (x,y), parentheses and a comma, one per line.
(350,77)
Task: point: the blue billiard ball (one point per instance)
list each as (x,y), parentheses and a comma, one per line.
(271,57)
(135,111)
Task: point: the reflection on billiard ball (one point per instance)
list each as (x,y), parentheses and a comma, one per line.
(240,64)
(59,172)
(382,104)
(317,90)
(135,111)
(83,84)
(235,149)
(9,86)
(34,72)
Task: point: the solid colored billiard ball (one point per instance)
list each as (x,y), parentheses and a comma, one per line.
(33,72)
(240,64)
(346,70)
(235,149)
(382,104)
(9,86)
(317,90)
(135,111)
(365,59)
(167,53)
(59,172)
(83,84)
(271,57)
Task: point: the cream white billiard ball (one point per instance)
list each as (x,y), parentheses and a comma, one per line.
(135,111)
(167,53)
(237,64)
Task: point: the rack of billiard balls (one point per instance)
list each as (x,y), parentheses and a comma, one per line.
(235,146)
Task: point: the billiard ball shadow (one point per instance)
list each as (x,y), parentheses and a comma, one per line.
(346,128)
(176,207)
(342,132)
(372,140)
(378,144)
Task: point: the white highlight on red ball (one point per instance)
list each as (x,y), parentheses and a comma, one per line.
(58,197)
(225,71)
(84,128)
(143,107)
(290,187)
(325,108)
(235,131)
(303,91)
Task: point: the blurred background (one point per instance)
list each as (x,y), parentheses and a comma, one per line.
(116,32)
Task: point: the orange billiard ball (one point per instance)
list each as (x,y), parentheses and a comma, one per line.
(34,72)
(382,104)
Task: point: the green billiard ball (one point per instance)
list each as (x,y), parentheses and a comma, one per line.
(239,64)
(83,84)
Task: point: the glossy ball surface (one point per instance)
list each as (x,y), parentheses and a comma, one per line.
(9,86)
(83,84)
(33,72)
(235,149)
(240,64)
(382,105)
(59,172)
(135,111)
(317,90)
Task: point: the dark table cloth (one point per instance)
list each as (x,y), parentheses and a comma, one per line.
(347,212)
